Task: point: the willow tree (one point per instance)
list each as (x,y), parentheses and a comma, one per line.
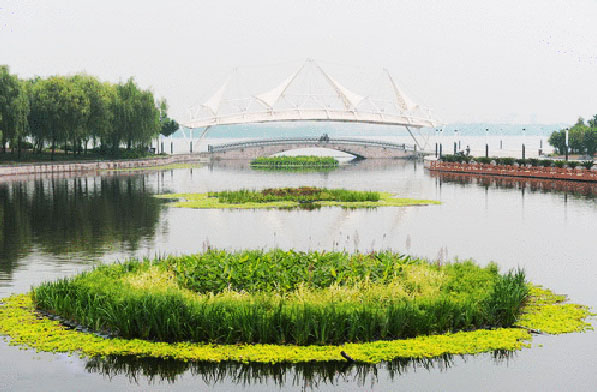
(14,108)
(98,124)
(136,118)
(61,109)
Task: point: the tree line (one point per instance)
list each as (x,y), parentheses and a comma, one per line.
(70,112)
(582,137)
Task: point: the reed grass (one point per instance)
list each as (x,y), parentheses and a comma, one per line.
(304,194)
(286,297)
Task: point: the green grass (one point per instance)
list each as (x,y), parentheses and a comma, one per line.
(291,198)
(281,297)
(295,161)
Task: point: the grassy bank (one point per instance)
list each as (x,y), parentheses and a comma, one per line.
(282,297)
(299,161)
(292,198)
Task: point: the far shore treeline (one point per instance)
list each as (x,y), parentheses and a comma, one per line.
(70,112)
(582,137)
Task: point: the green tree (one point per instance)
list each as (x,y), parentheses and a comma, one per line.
(99,119)
(576,135)
(167,125)
(136,116)
(40,126)
(14,108)
(63,109)
(582,138)
(557,139)
(21,115)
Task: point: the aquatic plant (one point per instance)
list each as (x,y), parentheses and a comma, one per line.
(304,194)
(283,297)
(291,198)
(295,161)
(295,169)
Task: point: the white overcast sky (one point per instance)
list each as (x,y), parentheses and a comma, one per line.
(472,61)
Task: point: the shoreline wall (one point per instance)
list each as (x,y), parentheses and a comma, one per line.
(86,166)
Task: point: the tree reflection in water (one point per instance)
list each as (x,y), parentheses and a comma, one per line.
(63,216)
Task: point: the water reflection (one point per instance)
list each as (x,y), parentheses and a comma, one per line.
(533,184)
(304,375)
(67,216)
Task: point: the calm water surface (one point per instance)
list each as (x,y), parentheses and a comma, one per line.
(56,226)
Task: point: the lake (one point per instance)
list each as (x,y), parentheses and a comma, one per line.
(52,227)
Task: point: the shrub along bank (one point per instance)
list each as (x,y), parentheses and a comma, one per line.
(511,161)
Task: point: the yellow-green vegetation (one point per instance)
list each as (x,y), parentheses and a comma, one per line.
(25,327)
(158,167)
(286,198)
(546,312)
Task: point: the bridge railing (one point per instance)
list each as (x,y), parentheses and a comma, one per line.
(307,140)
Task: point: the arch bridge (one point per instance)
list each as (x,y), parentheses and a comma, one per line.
(358,147)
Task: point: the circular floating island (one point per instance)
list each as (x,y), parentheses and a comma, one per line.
(287,306)
(286,198)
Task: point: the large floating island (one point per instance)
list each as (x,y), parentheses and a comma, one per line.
(287,306)
(302,197)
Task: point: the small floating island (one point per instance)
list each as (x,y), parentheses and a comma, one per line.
(294,163)
(286,198)
(287,306)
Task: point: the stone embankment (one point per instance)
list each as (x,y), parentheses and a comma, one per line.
(87,166)
(579,173)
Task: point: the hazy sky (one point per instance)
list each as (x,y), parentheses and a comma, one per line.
(472,61)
